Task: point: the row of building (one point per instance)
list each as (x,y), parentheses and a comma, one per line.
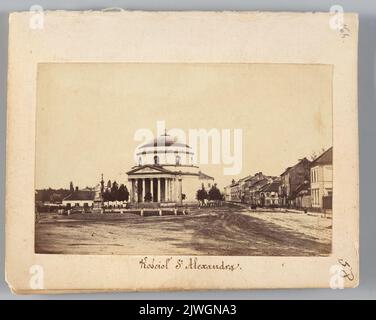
(307,184)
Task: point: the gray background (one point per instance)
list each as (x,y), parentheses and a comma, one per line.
(367,104)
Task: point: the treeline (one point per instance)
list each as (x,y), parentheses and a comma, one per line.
(212,194)
(111,192)
(114,192)
(51,195)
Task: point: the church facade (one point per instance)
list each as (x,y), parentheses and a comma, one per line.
(165,173)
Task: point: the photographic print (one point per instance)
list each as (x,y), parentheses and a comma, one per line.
(181,151)
(184,159)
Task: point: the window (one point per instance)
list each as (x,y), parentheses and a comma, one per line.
(139,161)
(156,160)
(177,160)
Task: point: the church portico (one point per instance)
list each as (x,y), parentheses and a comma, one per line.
(150,189)
(165,174)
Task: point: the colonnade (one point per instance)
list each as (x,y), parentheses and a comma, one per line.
(161,189)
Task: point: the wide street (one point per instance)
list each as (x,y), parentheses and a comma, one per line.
(208,231)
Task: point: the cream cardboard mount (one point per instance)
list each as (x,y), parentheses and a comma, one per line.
(181,151)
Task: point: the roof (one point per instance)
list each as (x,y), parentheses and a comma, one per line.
(272,187)
(325,158)
(304,160)
(160,169)
(255,182)
(164,140)
(260,183)
(301,189)
(204,176)
(246,178)
(80,195)
(88,189)
(284,172)
(156,167)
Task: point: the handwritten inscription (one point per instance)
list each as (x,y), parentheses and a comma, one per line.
(186,264)
(339,272)
(346,270)
(345,31)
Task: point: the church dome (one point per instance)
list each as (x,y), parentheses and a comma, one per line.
(165,150)
(164,141)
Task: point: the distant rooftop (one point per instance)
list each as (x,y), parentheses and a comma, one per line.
(81,195)
(324,158)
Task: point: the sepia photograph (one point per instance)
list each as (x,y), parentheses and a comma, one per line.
(184,159)
(181,151)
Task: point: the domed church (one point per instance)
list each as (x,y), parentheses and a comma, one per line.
(165,173)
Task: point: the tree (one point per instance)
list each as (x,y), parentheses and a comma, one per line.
(114,191)
(123,193)
(126,194)
(45,195)
(201,194)
(107,195)
(214,193)
(55,197)
(71,187)
(109,185)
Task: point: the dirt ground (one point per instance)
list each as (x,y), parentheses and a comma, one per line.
(208,231)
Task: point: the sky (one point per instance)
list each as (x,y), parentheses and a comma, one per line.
(88,113)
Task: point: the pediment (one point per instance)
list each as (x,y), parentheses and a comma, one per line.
(148,170)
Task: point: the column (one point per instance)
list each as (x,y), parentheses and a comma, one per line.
(132,190)
(165,190)
(135,193)
(143,190)
(172,189)
(180,191)
(160,189)
(169,189)
(152,189)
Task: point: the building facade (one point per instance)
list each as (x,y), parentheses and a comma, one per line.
(227,193)
(235,191)
(291,179)
(252,184)
(303,196)
(79,198)
(269,196)
(322,180)
(165,173)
